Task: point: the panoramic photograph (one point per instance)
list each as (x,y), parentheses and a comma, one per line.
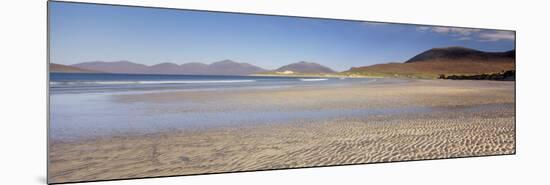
(139,92)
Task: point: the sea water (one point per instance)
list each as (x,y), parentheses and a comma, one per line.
(95,82)
(82,106)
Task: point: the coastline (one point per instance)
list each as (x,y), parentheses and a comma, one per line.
(332,75)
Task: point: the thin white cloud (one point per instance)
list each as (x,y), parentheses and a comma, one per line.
(469,33)
(497,35)
(449,30)
(441,29)
(422,28)
(374,23)
(464,38)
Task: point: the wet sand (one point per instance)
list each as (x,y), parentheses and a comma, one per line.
(466,118)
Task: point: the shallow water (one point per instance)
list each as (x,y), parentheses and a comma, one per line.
(75,116)
(63,83)
(80,111)
(82,106)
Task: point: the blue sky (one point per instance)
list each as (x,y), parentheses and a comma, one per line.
(87,32)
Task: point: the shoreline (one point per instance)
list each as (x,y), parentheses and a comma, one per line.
(452,76)
(335,75)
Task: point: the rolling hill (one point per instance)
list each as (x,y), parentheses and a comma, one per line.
(304,68)
(59,68)
(229,67)
(461,53)
(113,67)
(224,67)
(437,61)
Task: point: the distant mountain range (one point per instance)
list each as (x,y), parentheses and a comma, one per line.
(112,67)
(68,69)
(428,64)
(437,61)
(225,67)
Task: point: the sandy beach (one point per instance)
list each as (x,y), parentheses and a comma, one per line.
(383,120)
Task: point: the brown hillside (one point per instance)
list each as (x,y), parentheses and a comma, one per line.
(432,69)
(447,61)
(460,53)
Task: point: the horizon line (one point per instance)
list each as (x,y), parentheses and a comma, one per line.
(210,63)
